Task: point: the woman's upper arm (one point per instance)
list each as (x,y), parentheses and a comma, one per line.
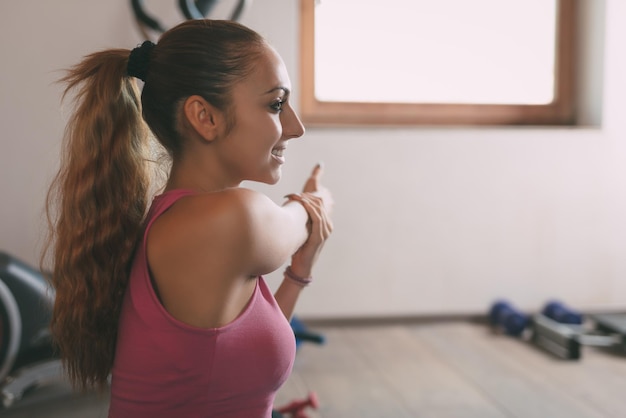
(265,234)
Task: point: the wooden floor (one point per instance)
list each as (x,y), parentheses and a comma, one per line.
(438,370)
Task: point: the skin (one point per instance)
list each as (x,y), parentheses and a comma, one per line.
(206,251)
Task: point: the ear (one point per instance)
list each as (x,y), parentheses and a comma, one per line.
(203,117)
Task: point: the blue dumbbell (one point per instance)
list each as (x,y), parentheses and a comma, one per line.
(561,313)
(302,333)
(510,320)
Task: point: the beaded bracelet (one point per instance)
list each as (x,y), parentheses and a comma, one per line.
(302,281)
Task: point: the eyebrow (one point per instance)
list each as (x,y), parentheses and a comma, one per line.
(284,89)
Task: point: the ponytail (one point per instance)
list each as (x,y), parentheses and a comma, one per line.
(95,208)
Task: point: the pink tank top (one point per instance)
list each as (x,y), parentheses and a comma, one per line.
(166,368)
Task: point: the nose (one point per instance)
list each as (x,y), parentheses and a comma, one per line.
(292,125)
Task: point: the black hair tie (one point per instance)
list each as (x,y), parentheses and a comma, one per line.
(139,60)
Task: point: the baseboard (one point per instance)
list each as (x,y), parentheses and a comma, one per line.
(390,320)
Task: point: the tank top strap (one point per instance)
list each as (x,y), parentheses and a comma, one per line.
(163,202)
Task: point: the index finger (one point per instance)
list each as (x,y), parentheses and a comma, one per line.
(318,170)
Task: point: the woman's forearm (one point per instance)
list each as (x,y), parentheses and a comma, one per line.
(289,291)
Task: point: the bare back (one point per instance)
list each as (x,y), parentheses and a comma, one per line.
(206,250)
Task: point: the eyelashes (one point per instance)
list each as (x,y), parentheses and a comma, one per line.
(277,105)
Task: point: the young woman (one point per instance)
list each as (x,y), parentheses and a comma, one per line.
(168,297)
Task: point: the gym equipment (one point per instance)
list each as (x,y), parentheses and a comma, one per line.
(613,323)
(26,354)
(505,317)
(303,334)
(560,330)
(560,313)
(296,408)
(565,340)
(563,331)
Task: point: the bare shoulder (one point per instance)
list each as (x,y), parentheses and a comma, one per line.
(211,228)
(204,213)
(228,208)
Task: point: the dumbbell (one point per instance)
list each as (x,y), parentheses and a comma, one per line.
(303,334)
(507,318)
(561,313)
(296,409)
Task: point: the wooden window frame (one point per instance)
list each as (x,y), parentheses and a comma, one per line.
(560,112)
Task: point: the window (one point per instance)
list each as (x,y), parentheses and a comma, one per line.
(424,62)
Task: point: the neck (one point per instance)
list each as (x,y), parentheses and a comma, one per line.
(201,177)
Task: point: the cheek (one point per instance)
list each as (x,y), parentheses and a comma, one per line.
(279,125)
(261,131)
(271,130)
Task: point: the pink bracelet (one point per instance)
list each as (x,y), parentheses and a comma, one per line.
(302,281)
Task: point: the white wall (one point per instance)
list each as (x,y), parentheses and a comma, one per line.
(428,220)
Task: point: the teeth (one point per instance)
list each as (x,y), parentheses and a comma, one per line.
(278,152)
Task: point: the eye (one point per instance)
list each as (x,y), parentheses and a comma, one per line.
(277,106)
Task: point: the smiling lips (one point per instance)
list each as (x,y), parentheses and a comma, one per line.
(278,154)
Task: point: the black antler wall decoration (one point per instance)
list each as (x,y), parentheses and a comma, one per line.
(191,9)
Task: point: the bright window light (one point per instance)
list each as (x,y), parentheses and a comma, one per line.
(435,51)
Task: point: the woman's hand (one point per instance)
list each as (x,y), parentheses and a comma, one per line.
(314,186)
(318,202)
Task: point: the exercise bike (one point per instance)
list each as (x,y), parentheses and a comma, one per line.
(27,358)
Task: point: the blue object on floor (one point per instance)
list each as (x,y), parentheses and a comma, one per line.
(561,313)
(303,334)
(507,318)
